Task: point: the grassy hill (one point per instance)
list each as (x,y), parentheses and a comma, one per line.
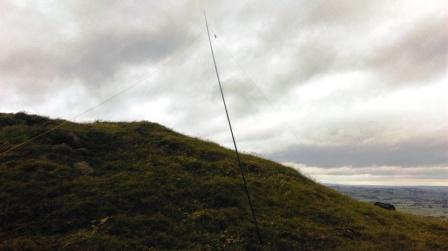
(141,186)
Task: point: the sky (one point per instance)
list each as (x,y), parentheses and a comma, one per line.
(345,91)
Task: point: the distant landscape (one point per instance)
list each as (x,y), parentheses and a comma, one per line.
(75,188)
(421,200)
(223,125)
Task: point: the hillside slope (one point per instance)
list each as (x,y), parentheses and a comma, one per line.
(134,186)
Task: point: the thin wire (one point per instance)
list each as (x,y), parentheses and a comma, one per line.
(15,147)
(272,104)
(254,218)
(66,121)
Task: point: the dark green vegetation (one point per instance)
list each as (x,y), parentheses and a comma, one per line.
(141,186)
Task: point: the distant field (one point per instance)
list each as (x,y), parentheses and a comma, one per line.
(422,200)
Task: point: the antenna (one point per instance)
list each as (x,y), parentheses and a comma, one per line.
(249,199)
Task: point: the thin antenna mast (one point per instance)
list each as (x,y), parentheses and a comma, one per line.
(254,218)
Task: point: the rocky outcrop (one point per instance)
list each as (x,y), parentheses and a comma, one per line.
(386,206)
(84,168)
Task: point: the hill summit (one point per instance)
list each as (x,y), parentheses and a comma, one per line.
(141,186)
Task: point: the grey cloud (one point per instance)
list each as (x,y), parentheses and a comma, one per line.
(244,98)
(100,50)
(428,151)
(418,56)
(311,59)
(73,54)
(99,56)
(102,55)
(413,54)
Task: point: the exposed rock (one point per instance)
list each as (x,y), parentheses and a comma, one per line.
(84,168)
(173,146)
(82,151)
(30,119)
(62,148)
(350,233)
(96,224)
(63,137)
(386,206)
(104,221)
(74,140)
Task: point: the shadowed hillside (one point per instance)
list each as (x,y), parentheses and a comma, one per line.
(140,186)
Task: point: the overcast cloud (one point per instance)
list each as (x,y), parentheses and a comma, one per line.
(347,91)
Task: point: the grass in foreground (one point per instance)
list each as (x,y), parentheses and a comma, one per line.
(141,186)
